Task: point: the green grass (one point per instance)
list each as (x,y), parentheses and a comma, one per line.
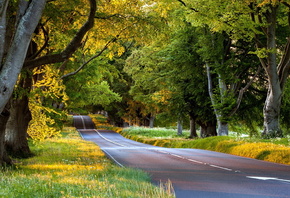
(155,132)
(72,167)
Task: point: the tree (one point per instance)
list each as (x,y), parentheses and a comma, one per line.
(145,86)
(13,53)
(184,72)
(20,116)
(263,22)
(230,72)
(227,61)
(28,17)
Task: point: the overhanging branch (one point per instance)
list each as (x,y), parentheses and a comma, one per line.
(242,91)
(71,47)
(92,58)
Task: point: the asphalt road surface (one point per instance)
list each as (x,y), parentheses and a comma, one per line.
(193,172)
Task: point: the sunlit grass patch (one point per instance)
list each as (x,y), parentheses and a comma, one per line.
(263,151)
(72,167)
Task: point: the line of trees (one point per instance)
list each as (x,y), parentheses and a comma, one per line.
(210,62)
(241,47)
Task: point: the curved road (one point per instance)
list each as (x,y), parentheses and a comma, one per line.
(193,172)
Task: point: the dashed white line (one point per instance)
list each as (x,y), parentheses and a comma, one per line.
(195,161)
(220,167)
(179,156)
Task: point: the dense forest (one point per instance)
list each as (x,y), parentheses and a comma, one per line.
(213,65)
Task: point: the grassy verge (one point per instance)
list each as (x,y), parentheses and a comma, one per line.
(273,150)
(72,167)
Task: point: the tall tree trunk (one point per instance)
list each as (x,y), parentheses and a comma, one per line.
(272,104)
(4,158)
(16,129)
(192,123)
(223,129)
(12,63)
(222,126)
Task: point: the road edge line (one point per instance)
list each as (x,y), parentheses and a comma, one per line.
(112,158)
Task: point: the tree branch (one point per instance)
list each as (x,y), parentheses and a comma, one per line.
(46,39)
(71,47)
(92,58)
(242,91)
(184,4)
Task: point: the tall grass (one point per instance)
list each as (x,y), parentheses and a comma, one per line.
(72,167)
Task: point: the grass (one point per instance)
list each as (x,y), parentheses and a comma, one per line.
(71,167)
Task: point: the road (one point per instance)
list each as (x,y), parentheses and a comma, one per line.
(193,172)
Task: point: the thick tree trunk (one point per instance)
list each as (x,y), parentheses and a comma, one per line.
(272,104)
(223,129)
(208,129)
(192,123)
(271,113)
(12,63)
(4,158)
(16,129)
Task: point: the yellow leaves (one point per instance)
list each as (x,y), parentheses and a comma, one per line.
(162,96)
(48,87)
(40,125)
(49,83)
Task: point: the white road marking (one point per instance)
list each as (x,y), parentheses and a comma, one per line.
(121,165)
(268,178)
(179,156)
(220,167)
(83,122)
(195,161)
(108,139)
